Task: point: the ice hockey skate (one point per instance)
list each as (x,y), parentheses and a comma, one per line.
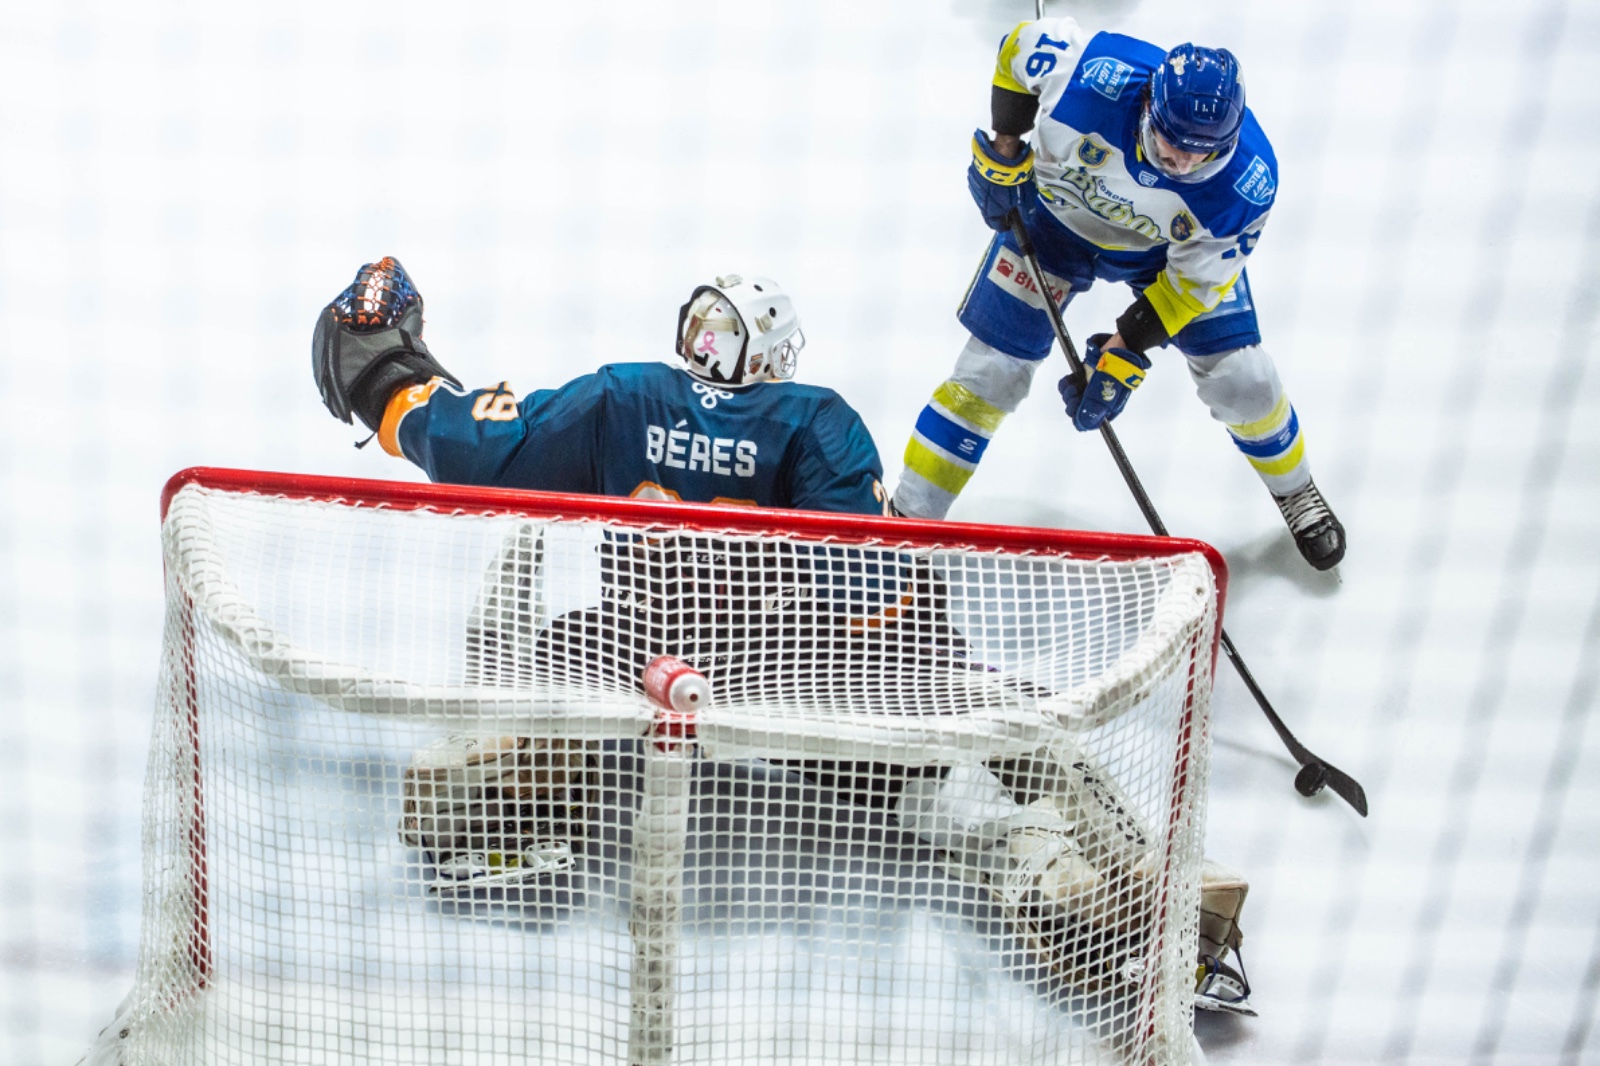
(1317,532)
(1220,986)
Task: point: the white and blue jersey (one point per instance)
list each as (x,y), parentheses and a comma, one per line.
(1106,212)
(648,430)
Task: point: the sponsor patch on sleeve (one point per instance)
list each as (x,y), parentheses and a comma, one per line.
(1107,76)
(1256,184)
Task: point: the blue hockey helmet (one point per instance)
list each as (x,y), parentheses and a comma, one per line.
(1197,99)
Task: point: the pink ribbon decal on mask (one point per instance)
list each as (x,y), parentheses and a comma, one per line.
(706,347)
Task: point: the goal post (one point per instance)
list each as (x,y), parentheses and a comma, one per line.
(408,801)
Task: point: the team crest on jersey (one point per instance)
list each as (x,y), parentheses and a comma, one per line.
(1107,76)
(1182,226)
(1092,152)
(1148,179)
(1256,184)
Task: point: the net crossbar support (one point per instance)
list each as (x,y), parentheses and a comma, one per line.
(408,803)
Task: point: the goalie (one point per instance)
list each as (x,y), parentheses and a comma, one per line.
(1047,837)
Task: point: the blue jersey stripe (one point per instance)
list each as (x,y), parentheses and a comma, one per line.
(1276,444)
(956,439)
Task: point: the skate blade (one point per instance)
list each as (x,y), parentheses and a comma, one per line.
(1216,1006)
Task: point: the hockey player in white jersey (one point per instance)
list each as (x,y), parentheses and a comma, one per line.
(1147,168)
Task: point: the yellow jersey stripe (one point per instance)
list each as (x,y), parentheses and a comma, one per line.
(1175,309)
(1275,420)
(961,402)
(1002,66)
(1284,463)
(937,469)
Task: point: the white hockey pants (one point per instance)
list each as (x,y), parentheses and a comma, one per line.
(1241,389)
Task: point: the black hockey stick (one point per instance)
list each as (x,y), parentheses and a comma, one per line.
(1314,772)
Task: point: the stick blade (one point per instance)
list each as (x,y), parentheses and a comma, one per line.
(1315,774)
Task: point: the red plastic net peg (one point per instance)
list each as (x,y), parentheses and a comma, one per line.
(680,691)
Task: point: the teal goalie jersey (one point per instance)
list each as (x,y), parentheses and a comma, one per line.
(650,430)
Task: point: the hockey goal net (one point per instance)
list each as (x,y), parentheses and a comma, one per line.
(408,801)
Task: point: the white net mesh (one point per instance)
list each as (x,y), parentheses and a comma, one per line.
(403,805)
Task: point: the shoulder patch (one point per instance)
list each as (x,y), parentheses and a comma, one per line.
(1091,152)
(1107,76)
(1256,184)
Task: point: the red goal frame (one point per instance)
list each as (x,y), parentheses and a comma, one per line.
(844,528)
(474,500)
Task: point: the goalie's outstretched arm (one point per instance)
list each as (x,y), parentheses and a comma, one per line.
(370,362)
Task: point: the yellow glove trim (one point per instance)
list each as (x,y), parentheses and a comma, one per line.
(997,172)
(1130,374)
(935,468)
(1002,65)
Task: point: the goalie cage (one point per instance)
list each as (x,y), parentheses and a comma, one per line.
(407,803)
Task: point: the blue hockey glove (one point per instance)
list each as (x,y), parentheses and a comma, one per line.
(1001,184)
(1113,374)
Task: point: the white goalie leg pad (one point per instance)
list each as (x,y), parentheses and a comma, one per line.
(1220,981)
(497,809)
(966,814)
(1222,896)
(972,817)
(1102,818)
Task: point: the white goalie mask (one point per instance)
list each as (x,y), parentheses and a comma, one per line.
(738,331)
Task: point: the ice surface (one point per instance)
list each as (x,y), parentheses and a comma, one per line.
(185,185)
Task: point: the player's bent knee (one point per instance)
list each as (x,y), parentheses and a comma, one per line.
(1238,386)
(1001,380)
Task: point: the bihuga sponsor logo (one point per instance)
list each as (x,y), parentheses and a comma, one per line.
(1012,273)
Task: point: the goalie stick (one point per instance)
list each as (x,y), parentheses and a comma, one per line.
(1315,773)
